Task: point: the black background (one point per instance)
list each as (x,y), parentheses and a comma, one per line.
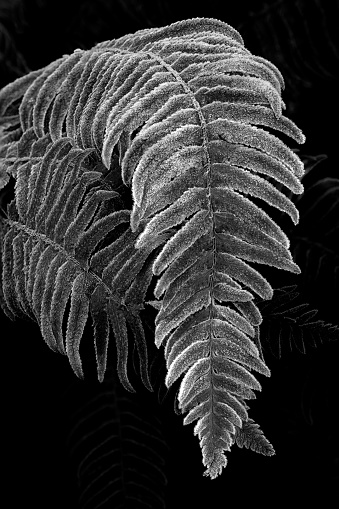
(297,408)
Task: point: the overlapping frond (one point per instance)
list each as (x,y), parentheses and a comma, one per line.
(184,110)
(195,166)
(51,253)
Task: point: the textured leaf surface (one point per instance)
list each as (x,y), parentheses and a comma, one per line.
(183,115)
(51,256)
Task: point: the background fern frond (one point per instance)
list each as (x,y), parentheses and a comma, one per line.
(52,253)
(289,323)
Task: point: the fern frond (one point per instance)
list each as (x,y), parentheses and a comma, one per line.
(51,254)
(251,437)
(191,166)
(13,91)
(95,443)
(178,109)
(296,323)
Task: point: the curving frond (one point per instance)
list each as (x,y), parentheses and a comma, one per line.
(51,253)
(200,178)
(184,114)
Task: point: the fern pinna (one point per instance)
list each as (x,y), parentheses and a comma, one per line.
(178,107)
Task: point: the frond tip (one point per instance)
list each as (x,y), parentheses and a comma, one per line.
(214,460)
(251,436)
